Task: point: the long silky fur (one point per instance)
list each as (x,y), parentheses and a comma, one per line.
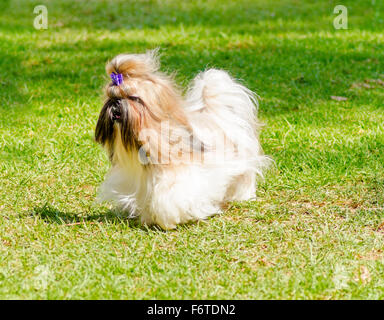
(184,188)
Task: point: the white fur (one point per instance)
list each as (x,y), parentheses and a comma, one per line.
(169,195)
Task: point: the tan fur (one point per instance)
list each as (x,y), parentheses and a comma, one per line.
(177,159)
(163,103)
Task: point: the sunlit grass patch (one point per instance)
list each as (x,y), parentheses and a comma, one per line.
(316,228)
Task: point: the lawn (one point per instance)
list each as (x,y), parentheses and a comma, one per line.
(316,230)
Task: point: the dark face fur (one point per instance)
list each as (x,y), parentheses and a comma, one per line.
(117,117)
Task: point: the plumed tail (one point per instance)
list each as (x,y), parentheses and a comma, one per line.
(217,103)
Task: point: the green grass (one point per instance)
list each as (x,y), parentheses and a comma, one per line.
(316,230)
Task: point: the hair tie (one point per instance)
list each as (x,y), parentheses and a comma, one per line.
(117,78)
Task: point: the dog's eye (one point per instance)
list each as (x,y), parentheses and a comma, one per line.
(136,99)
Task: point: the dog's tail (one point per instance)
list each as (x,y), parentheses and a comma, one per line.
(217,103)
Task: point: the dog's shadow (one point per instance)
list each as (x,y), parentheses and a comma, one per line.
(52,215)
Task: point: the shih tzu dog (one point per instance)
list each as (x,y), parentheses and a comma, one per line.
(176,158)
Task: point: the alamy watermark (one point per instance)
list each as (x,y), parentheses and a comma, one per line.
(341,20)
(41,20)
(173,146)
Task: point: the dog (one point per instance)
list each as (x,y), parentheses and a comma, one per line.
(177,158)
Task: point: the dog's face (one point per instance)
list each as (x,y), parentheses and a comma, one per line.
(121,117)
(140,101)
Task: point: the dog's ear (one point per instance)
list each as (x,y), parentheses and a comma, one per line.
(104,131)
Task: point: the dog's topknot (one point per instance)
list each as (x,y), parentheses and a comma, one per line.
(134,65)
(133,68)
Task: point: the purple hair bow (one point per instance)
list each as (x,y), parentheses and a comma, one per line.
(117,78)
